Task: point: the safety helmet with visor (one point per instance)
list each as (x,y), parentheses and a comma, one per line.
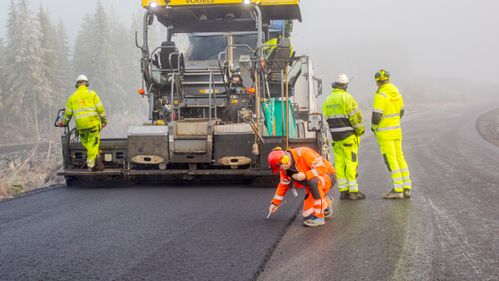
(382,76)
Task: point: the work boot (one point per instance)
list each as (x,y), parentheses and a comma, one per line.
(329,210)
(314,221)
(100,163)
(393,195)
(344,195)
(407,193)
(357,195)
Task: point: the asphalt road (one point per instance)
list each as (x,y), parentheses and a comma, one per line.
(139,233)
(449,230)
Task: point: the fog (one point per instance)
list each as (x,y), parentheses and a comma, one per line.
(433,48)
(445,49)
(437,51)
(72,12)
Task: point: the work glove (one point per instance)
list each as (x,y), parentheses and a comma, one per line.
(360,132)
(60,124)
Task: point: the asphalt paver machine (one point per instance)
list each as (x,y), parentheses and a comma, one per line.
(225,87)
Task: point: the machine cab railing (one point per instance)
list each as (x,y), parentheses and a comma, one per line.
(166,60)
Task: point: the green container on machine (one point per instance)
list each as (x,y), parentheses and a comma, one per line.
(275,118)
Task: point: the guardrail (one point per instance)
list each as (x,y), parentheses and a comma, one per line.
(19,155)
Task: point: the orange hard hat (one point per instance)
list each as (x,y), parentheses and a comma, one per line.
(275,159)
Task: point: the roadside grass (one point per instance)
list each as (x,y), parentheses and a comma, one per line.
(31,172)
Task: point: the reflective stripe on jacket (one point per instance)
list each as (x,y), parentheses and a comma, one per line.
(306,161)
(387,111)
(343,115)
(86,108)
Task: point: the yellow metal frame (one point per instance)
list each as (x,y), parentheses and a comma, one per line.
(172,3)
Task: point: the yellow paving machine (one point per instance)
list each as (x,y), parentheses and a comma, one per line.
(224,88)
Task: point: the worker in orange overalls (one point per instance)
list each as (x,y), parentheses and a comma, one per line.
(304,168)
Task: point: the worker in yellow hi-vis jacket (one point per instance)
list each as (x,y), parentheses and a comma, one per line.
(345,124)
(388,110)
(87,109)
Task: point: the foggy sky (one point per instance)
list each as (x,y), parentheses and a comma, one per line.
(417,41)
(71,12)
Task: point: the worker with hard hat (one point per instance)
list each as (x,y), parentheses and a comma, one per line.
(87,109)
(388,110)
(345,124)
(304,168)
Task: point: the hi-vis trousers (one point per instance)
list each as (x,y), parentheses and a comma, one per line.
(90,139)
(346,163)
(316,201)
(395,162)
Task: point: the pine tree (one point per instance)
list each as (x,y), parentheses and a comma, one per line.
(49,55)
(2,72)
(63,73)
(96,56)
(129,59)
(25,84)
(83,49)
(8,60)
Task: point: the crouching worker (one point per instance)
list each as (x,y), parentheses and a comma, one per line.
(304,168)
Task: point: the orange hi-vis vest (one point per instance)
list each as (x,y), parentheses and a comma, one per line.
(309,162)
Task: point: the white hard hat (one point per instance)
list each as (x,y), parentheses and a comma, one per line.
(342,79)
(82,78)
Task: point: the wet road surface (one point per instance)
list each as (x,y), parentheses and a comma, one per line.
(449,230)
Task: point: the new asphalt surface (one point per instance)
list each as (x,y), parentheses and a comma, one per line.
(449,230)
(139,233)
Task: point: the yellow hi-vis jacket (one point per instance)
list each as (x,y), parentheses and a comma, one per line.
(86,108)
(271,45)
(388,109)
(343,115)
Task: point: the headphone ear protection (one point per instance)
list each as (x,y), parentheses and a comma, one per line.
(285,159)
(77,85)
